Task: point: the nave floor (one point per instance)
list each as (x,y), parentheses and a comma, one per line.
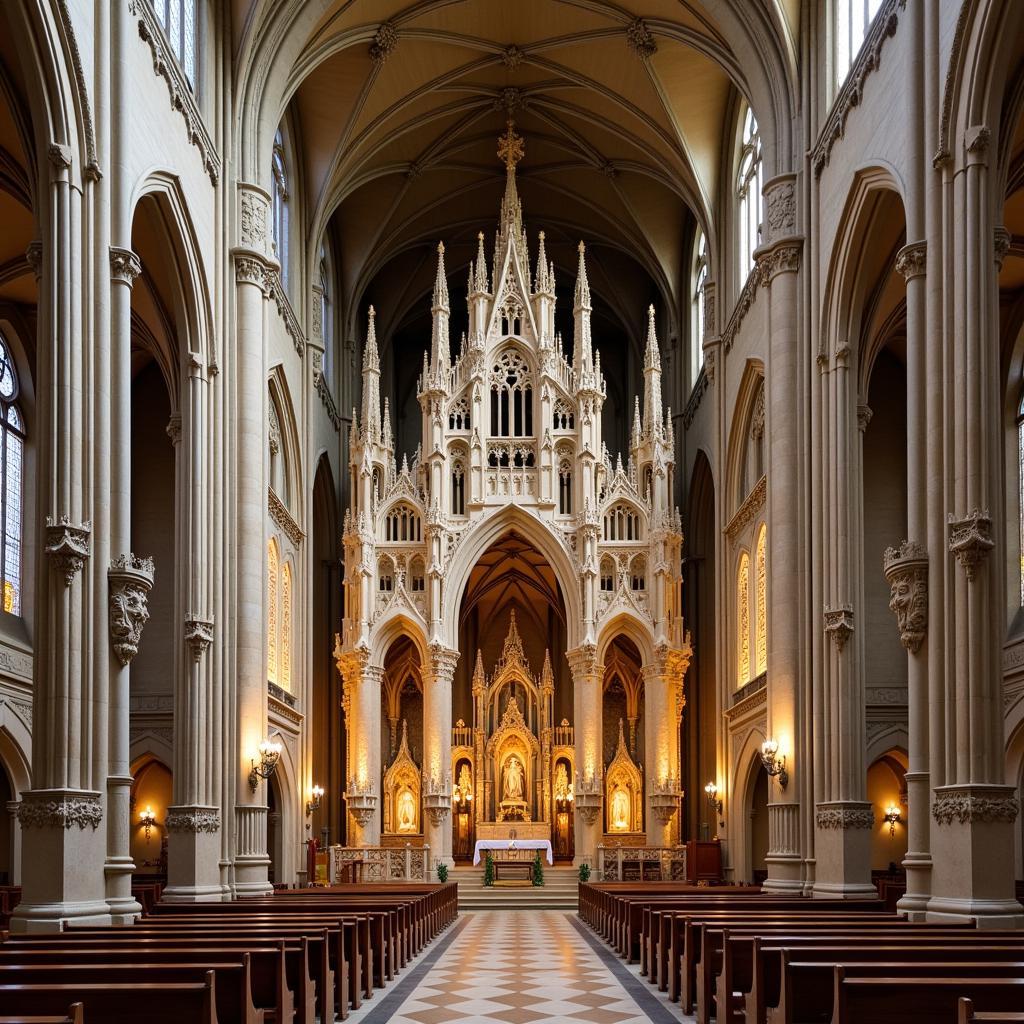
(519,967)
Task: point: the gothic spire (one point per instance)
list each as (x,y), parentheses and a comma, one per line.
(544,284)
(582,354)
(440,358)
(510,152)
(637,429)
(480,277)
(653,411)
(371,382)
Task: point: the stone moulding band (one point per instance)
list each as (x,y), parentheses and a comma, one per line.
(60,808)
(844,816)
(193,819)
(965,807)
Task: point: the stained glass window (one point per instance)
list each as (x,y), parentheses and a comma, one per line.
(12,459)
(743,621)
(748,193)
(273,570)
(761,602)
(852,19)
(179,21)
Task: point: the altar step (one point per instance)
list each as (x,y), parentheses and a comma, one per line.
(559,892)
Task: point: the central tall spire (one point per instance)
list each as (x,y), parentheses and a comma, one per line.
(510,230)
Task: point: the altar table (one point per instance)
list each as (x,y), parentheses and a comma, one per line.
(510,844)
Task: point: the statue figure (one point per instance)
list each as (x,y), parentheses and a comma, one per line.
(513,779)
(130,581)
(620,811)
(406,812)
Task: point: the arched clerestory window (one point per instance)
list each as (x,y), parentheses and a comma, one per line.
(743,621)
(700,278)
(511,396)
(761,601)
(851,20)
(749,180)
(180,25)
(12,464)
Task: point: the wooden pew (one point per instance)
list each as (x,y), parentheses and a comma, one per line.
(194,1002)
(935,1000)
(281,992)
(73,1016)
(966,1014)
(935,941)
(234,1003)
(808,987)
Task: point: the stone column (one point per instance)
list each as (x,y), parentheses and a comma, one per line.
(14,853)
(663,709)
(362,714)
(437,751)
(906,569)
(973,811)
(587,675)
(129,580)
(250,491)
(778,262)
(843,817)
(64,846)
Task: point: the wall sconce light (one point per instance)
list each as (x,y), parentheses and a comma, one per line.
(774,765)
(148,819)
(270,754)
(892,816)
(314,803)
(712,791)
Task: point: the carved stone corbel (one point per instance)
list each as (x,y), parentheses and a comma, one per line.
(198,635)
(67,545)
(129,581)
(970,539)
(906,569)
(839,624)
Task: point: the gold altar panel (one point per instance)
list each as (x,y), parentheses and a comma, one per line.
(522,829)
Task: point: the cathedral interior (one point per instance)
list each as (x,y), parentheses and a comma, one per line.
(592,425)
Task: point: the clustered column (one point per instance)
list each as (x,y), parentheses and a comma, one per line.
(437,750)
(587,674)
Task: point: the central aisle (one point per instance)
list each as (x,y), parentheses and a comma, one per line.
(519,967)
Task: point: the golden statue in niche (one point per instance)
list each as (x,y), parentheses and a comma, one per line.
(513,780)
(620,811)
(406,812)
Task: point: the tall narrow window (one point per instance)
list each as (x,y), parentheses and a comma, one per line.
(273,575)
(326,315)
(285,643)
(748,193)
(511,396)
(700,277)
(12,462)
(178,19)
(458,490)
(279,204)
(1020,492)
(743,621)
(761,602)
(852,20)
(565,488)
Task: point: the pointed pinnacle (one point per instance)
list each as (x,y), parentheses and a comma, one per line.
(480,280)
(543,284)
(441,281)
(582,284)
(371,358)
(652,356)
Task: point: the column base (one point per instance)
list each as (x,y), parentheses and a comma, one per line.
(914,903)
(972,854)
(784,860)
(62,870)
(124,910)
(193,853)
(119,866)
(252,864)
(842,849)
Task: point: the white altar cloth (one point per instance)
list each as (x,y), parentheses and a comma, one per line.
(512,844)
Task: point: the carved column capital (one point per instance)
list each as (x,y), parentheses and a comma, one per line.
(125,266)
(193,819)
(906,569)
(969,804)
(253,218)
(912,260)
(443,661)
(970,539)
(779,207)
(583,661)
(839,624)
(60,808)
(250,270)
(783,258)
(844,814)
(198,634)
(129,581)
(67,546)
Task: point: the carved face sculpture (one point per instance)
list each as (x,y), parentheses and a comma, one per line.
(908,600)
(128,614)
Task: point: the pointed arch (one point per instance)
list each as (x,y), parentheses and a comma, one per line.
(282,421)
(273,587)
(740,464)
(761,601)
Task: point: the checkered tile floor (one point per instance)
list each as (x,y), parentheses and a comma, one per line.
(521,967)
